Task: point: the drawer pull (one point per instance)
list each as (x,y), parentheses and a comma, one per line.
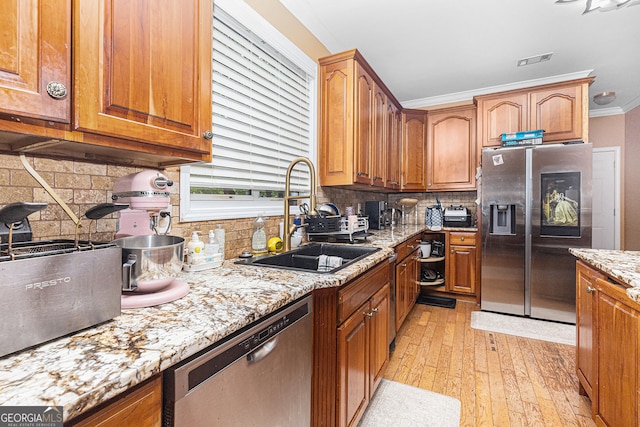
(371,313)
(462,239)
(590,289)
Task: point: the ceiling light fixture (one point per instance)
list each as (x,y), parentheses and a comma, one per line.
(534,59)
(604,5)
(604,98)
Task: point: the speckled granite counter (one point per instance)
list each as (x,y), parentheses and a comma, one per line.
(622,266)
(82,370)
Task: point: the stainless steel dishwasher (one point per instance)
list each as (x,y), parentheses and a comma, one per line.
(261,376)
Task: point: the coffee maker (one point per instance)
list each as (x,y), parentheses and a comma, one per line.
(378,214)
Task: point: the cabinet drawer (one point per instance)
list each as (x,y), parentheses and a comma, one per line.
(360,290)
(404,249)
(462,238)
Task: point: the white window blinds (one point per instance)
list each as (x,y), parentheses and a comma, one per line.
(261,114)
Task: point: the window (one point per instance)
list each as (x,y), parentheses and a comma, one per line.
(264,109)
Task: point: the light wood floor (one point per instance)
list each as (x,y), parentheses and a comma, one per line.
(501,380)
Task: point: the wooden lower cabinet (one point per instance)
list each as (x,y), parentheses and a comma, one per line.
(585,351)
(363,355)
(462,263)
(617,357)
(351,342)
(407,285)
(139,407)
(608,368)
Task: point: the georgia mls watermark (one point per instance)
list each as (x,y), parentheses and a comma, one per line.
(31,416)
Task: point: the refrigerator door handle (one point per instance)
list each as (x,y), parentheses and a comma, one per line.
(527,230)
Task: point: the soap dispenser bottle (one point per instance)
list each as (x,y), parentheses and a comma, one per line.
(212,247)
(195,250)
(259,239)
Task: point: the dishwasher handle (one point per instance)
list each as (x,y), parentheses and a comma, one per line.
(262,352)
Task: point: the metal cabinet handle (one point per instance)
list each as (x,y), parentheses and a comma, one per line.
(590,289)
(452,251)
(208,135)
(56,90)
(371,313)
(462,239)
(410,246)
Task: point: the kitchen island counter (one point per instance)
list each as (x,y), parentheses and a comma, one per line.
(89,367)
(622,266)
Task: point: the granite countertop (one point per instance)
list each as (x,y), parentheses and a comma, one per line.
(622,266)
(87,368)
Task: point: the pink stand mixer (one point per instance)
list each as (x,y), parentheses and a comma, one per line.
(151,260)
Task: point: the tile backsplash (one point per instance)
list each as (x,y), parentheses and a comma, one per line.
(82,185)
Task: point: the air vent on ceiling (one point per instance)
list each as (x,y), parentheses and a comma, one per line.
(534,59)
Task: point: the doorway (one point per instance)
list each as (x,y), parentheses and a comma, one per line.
(606,198)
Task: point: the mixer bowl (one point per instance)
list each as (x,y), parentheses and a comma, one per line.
(150,263)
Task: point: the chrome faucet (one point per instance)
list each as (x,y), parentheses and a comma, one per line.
(290,229)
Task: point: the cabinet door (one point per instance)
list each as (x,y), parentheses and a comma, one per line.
(461,269)
(617,358)
(394,147)
(140,407)
(451,149)
(143,72)
(35,43)
(414,150)
(353,367)
(559,111)
(401,293)
(336,142)
(362,114)
(379,337)
(412,280)
(379,137)
(585,350)
(505,113)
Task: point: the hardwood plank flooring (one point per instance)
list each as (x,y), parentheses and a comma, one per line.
(501,380)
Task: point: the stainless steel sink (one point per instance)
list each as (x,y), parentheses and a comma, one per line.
(306,258)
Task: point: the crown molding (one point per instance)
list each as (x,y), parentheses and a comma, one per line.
(467,95)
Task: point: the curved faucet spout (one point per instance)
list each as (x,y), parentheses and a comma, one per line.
(289,229)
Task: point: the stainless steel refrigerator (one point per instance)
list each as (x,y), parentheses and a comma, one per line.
(536,203)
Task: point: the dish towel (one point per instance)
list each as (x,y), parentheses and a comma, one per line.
(328,263)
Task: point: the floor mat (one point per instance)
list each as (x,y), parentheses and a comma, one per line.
(400,405)
(524,327)
(437,301)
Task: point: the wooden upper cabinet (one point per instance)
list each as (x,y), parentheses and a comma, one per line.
(379,137)
(363,114)
(414,150)
(336,130)
(394,146)
(560,109)
(356,124)
(451,149)
(501,114)
(143,72)
(35,43)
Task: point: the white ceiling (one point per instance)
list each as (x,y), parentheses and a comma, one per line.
(431,52)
